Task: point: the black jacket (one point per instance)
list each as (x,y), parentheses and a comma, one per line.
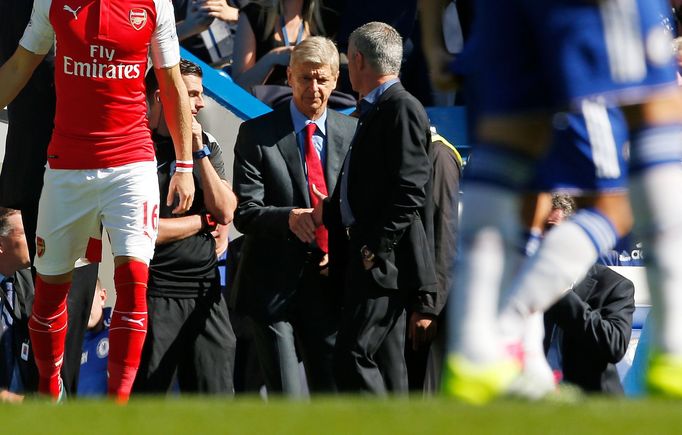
(388,182)
(596,320)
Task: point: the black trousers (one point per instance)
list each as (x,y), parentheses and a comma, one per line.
(78,306)
(191,338)
(308,331)
(371,314)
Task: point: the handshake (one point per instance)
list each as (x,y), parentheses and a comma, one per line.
(304,221)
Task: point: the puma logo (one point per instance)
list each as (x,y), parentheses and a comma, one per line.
(135,321)
(68,8)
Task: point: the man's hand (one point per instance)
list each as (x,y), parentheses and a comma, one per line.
(220,234)
(317,211)
(197,140)
(197,18)
(302,225)
(221,10)
(421,329)
(182,185)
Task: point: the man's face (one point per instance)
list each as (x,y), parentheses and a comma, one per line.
(311,84)
(195,91)
(13,247)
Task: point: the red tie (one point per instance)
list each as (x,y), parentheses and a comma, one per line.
(316,177)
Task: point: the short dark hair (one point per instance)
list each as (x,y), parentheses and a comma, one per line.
(186,68)
(189,68)
(5,227)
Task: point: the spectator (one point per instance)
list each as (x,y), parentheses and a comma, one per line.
(196,18)
(267,32)
(189,327)
(92,380)
(18,373)
(588,330)
(282,281)
(374,216)
(100,162)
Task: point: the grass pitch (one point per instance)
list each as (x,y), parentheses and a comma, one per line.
(346,415)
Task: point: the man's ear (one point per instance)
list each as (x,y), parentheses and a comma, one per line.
(157,96)
(288,74)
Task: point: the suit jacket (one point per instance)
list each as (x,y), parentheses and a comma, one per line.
(596,319)
(23,305)
(388,181)
(269,180)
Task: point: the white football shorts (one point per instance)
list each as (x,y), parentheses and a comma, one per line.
(76,204)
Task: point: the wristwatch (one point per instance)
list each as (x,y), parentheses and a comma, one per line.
(367,254)
(204,152)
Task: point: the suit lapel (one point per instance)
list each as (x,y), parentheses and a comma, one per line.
(288,147)
(336,150)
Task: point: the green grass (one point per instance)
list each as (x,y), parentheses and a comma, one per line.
(352,415)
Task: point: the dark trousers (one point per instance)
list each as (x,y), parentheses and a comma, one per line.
(191,338)
(309,330)
(78,305)
(370,315)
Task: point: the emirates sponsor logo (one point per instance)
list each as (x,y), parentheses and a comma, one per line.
(101,65)
(138,18)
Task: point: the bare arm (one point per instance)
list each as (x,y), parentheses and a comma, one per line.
(219,199)
(174,229)
(178,117)
(246,70)
(437,57)
(15,73)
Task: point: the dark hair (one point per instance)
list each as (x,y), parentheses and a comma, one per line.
(189,68)
(186,68)
(5,227)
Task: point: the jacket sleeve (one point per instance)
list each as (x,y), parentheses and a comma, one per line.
(252,215)
(605,330)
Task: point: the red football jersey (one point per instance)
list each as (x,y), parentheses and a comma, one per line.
(101,51)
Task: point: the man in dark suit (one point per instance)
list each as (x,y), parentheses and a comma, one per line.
(282,281)
(18,373)
(378,243)
(588,330)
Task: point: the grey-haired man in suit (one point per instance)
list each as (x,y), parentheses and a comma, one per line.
(282,282)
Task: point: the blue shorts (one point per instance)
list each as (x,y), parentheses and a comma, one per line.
(586,154)
(526,55)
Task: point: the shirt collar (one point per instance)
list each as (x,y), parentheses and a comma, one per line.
(3,278)
(375,93)
(300,120)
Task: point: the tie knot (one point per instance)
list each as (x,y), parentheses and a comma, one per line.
(310,129)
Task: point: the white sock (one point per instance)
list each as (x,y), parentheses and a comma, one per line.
(656,197)
(657,206)
(565,255)
(489,253)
